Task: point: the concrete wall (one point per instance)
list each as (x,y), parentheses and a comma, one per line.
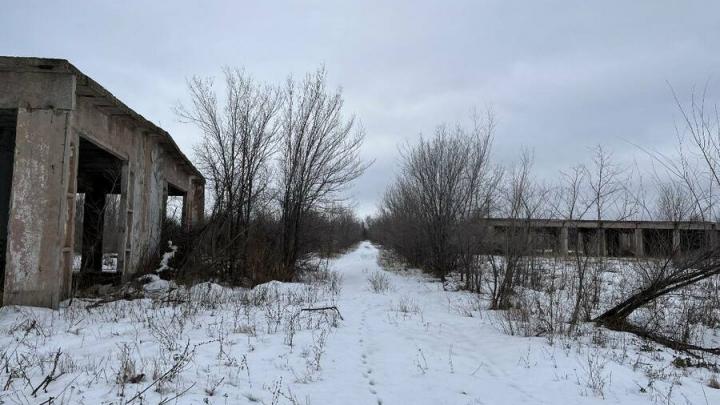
(38,203)
(56,107)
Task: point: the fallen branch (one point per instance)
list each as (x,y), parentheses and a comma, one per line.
(626,326)
(332,308)
(122,296)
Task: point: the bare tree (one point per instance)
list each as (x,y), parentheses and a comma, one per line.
(674,203)
(607,181)
(696,164)
(572,203)
(238,139)
(603,188)
(572,194)
(440,196)
(319,156)
(447,174)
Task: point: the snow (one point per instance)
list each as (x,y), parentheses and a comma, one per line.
(167,256)
(154,285)
(413,343)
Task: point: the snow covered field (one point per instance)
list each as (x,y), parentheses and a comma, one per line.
(406,341)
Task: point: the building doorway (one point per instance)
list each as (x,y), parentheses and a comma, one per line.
(97,214)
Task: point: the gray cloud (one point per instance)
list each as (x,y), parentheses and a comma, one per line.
(561,76)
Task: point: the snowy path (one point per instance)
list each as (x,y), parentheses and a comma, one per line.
(432,356)
(437,356)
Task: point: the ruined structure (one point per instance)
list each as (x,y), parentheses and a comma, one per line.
(612,238)
(63,135)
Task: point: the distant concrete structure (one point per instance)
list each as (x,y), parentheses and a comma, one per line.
(613,238)
(64,135)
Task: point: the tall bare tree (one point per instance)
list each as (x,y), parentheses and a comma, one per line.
(319,156)
(239,137)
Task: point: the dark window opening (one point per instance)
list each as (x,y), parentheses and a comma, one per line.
(693,240)
(657,242)
(8,124)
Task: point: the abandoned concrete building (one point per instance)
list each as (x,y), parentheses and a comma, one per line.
(62,136)
(611,238)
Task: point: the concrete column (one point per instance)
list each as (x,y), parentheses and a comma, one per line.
(639,243)
(69,242)
(186,215)
(195,201)
(580,243)
(38,208)
(163,207)
(712,239)
(122,248)
(93,221)
(601,242)
(487,243)
(563,242)
(530,237)
(676,240)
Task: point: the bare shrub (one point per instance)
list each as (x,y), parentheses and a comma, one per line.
(522,200)
(128,372)
(167,329)
(320,273)
(594,376)
(379,282)
(517,321)
(543,311)
(469,306)
(334,283)
(406,305)
(714,383)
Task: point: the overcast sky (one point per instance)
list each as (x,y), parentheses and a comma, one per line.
(561,76)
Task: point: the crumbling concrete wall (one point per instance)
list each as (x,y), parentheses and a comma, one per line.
(57,106)
(38,203)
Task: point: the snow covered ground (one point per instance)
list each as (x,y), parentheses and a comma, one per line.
(411,343)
